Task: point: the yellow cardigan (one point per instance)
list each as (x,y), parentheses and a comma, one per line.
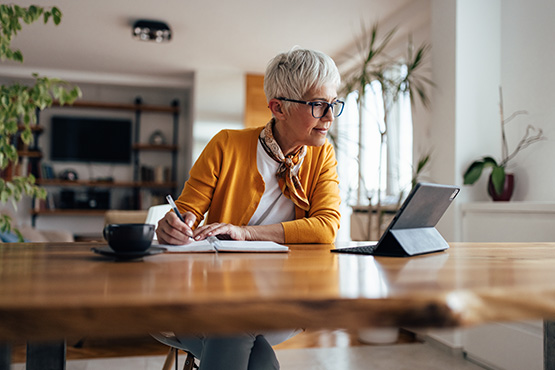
(225,182)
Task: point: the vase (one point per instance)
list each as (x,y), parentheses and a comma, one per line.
(508,188)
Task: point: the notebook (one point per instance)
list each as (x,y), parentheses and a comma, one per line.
(213,244)
(412,231)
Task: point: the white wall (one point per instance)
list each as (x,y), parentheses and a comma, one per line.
(527,59)
(465,64)
(465,61)
(477,46)
(219,103)
(442,124)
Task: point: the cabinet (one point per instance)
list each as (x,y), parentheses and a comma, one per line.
(140,148)
(507,345)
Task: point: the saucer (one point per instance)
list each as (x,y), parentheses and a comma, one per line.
(125,256)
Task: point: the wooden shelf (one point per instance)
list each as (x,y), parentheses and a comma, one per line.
(69,212)
(121,106)
(152,147)
(29,153)
(85,183)
(154,185)
(114,184)
(34,128)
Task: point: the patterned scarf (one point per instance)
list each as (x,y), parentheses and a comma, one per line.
(288,170)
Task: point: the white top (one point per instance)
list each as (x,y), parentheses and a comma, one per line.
(274,208)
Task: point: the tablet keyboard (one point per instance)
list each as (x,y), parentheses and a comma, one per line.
(364,249)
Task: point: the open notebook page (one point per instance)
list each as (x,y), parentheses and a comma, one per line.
(226,246)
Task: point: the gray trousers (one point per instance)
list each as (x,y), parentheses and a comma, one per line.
(237,352)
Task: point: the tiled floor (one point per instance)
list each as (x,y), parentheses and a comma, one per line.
(414,356)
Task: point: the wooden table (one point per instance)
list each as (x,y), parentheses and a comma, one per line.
(53,291)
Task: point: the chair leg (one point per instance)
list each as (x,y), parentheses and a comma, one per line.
(169,359)
(189,362)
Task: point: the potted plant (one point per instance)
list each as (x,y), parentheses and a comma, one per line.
(501,183)
(19,103)
(376,65)
(395,76)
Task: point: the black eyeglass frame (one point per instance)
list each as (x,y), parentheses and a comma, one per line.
(313,103)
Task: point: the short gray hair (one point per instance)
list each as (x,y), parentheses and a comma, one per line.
(294,73)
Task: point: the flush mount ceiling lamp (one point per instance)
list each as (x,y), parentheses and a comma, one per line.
(146,30)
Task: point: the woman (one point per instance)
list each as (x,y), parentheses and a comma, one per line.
(277,182)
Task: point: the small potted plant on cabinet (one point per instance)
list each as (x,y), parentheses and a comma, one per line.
(501,183)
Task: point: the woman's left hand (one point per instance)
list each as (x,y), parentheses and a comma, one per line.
(216,229)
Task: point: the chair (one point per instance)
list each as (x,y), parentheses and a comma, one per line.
(170,340)
(154,214)
(124,217)
(30,233)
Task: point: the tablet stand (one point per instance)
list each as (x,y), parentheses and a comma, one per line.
(410,242)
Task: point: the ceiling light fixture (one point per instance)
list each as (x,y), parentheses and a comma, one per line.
(146,30)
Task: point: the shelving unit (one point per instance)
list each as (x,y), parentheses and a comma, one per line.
(111,184)
(68,212)
(138,148)
(29,157)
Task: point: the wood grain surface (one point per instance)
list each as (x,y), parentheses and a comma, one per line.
(53,290)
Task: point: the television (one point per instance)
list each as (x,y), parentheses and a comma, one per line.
(89,139)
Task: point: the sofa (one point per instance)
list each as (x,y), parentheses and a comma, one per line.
(31,234)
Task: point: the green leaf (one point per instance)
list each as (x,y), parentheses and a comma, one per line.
(75,93)
(473,172)
(490,162)
(18,102)
(19,235)
(498,179)
(17,56)
(56,15)
(32,10)
(4,196)
(26,136)
(422,163)
(5,223)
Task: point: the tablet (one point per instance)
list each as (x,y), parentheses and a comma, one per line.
(412,231)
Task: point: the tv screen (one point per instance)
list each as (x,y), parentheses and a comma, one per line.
(86,139)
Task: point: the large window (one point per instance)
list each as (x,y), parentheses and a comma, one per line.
(357,140)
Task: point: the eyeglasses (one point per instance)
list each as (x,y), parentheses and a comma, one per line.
(320,108)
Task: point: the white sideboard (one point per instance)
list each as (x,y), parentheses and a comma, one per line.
(508,222)
(515,345)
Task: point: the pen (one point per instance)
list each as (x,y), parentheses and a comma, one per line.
(215,242)
(174,207)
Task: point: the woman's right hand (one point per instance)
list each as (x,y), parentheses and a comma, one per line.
(171,230)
